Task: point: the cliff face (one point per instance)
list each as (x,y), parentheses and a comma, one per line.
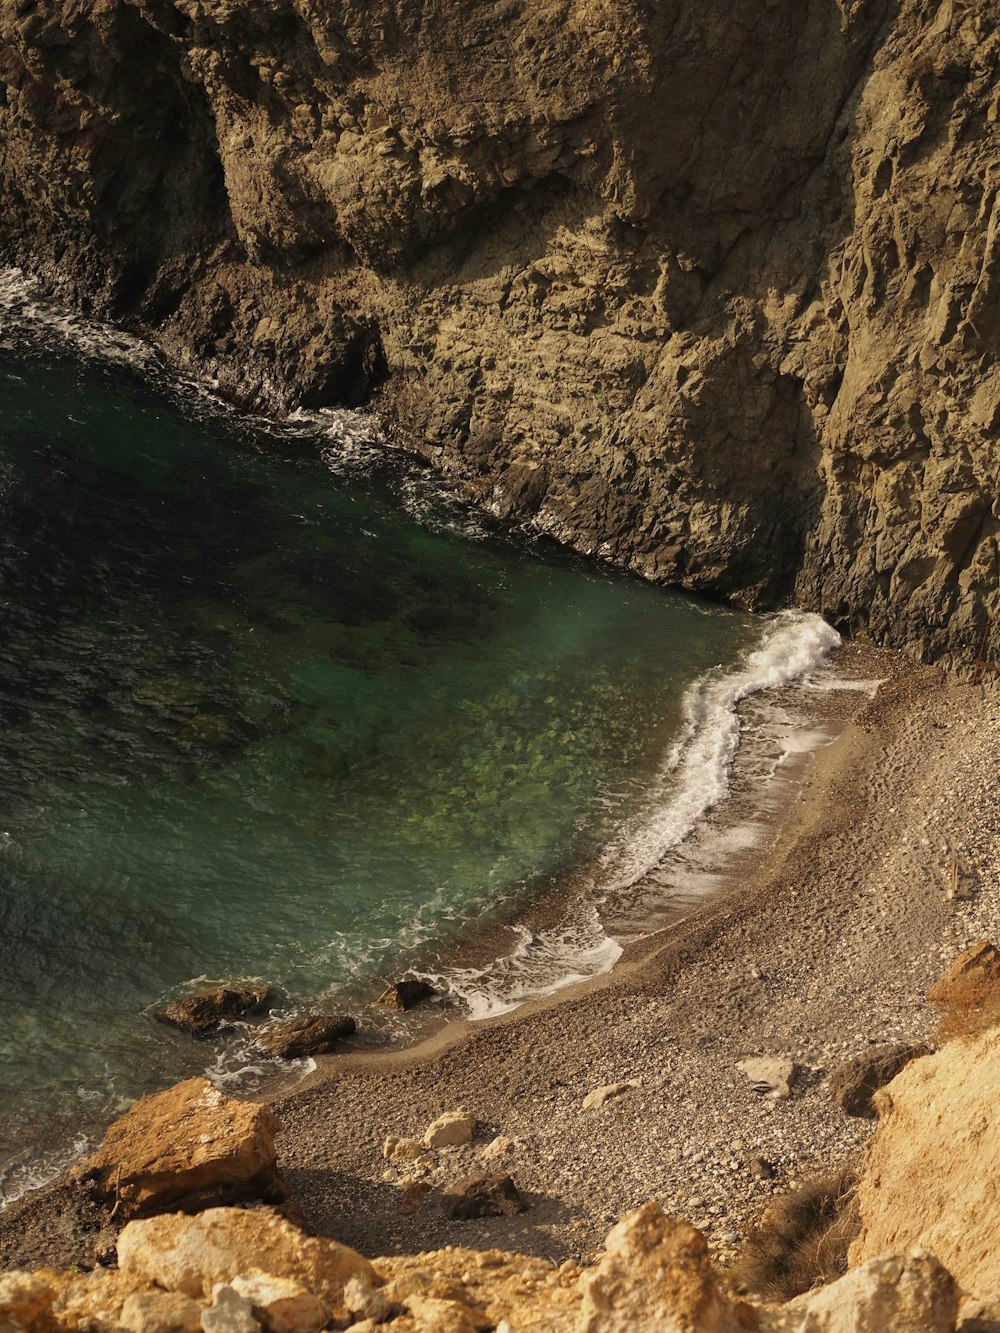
(709,287)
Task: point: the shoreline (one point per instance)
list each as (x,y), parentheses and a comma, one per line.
(826,948)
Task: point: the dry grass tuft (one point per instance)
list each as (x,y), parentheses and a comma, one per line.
(802,1240)
(970,1009)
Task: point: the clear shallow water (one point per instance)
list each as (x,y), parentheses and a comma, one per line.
(272,705)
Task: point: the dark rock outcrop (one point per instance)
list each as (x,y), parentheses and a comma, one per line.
(482,1196)
(707,288)
(406,994)
(316,1034)
(202,1014)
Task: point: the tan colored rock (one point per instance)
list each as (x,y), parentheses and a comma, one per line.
(25,1304)
(366,1301)
(431,1315)
(770,1075)
(194,1254)
(281,1305)
(406,994)
(932,1176)
(896,1293)
(402,1150)
(594,1101)
(189,1146)
(450,1129)
(656,1274)
(161,1312)
(498,1147)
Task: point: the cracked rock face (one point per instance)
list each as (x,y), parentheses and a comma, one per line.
(707,288)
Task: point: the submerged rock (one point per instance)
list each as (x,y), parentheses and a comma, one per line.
(188,1147)
(493,1195)
(316,1034)
(203,1013)
(854,1083)
(406,994)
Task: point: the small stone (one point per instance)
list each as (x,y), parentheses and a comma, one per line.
(482,1196)
(316,1034)
(229,1313)
(770,1075)
(402,1150)
(454,1127)
(595,1100)
(406,994)
(496,1148)
(412,1198)
(761,1169)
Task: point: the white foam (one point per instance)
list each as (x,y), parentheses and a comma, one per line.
(540,964)
(28,1173)
(696,775)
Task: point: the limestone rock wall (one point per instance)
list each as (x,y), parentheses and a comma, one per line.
(708,287)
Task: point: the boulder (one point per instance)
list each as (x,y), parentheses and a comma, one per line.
(854,1082)
(279,1304)
(655,1273)
(316,1034)
(201,1014)
(490,1195)
(770,1075)
(413,1197)
(600,1097)
(450,1129)
(187,1147)
(896,1293)
(974,974)
(932,1177)
(192,1255)
(406,994)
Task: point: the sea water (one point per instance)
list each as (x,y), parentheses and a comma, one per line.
(275,705)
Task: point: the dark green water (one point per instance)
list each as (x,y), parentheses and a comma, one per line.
(257,719)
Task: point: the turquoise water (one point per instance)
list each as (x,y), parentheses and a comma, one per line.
(265,712)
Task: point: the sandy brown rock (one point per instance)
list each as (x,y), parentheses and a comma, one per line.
(705,289)
(25,1304)
(932,1176)
(406,994)
(490,1195)
(974,975)
(187,1147)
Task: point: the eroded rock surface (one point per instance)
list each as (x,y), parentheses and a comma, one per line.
(708,288)
(932,1177)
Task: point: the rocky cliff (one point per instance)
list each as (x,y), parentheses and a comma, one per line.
(708,287)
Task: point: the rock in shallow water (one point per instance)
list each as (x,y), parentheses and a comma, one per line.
(316,1034)
(201,1014)
(406,994)
(187,1147)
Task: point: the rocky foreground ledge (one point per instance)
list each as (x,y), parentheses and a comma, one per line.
(924,1257)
